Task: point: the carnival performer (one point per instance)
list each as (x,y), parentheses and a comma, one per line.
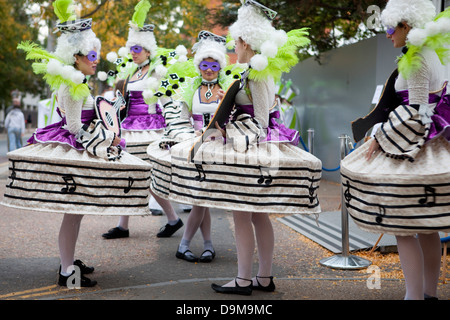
(397,182)
(259,170)
(144,123)
(200,97)
(75,166)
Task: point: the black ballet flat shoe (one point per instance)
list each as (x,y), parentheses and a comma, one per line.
(246,291)
(116,233)
(168,230)
(84,282)
(269,288)
(207,258)
(187,255)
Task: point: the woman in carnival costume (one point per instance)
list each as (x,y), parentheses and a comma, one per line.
(397,183)
(196,97)
(259,170)
(75,166)
(144,123)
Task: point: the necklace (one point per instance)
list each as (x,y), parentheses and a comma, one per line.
(208,93)
(142,66)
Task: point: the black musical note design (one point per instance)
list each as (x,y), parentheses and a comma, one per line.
(380,215)
(13,173)
(68,179)
(347,194)
(267,181)
(311,192)
(130,184)
(200,172)
(429,191)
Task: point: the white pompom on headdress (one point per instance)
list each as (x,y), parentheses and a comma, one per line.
(210,45)
(141,34)
(416,13)
(255,28)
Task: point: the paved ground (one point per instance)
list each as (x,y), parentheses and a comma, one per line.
(144,267)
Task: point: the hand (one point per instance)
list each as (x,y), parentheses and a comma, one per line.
(116,140)
(374,147)
(220,94)
(220,129)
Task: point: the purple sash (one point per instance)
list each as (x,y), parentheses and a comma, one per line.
(138,117)
(276,132)
(441,116)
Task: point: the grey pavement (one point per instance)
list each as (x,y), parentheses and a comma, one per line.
(144,267)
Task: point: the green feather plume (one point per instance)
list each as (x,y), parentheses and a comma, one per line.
(286,58)
(41,58)
(140,13)
(411,61)
(64,10)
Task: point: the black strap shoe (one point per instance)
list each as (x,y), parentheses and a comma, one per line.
(168,230)
(116,233)
(269,288)
(207,257)
(247,290)
(84,269)
(187,255)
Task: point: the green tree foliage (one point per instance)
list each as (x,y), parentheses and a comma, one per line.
(15,71)
(331,22)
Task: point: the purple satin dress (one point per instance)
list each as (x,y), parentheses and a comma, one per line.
(138,117)
(276,132)
(441,116)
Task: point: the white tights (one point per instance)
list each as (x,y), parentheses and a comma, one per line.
(420,258)
(67,239)
(249,225)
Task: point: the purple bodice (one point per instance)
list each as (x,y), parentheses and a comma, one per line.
(138,117)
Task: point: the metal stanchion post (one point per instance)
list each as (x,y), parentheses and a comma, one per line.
(311,140)
(345,260)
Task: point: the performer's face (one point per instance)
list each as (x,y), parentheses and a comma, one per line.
(210,74)
(399,34)
(86,64)
(139,56)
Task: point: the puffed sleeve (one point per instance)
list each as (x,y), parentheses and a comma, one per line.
(263,96)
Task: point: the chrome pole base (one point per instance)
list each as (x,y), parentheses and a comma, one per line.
(345,262)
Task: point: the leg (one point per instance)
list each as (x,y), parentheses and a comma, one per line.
(12,139)
(67,239)
(411,259)
(245,245)
(194,221)
(431,249)
(265,240)
(173,221)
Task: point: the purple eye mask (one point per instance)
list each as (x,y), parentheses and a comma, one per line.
(92,56)
(136,49)
(390,30)
(205,65)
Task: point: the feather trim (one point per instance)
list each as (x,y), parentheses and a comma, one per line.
(64,10)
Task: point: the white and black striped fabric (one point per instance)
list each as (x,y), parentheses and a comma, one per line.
(403,134)
(396,196)
(138,142)
(61,179)
(161,173)
(97,140)
(271,177)
(178,127)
